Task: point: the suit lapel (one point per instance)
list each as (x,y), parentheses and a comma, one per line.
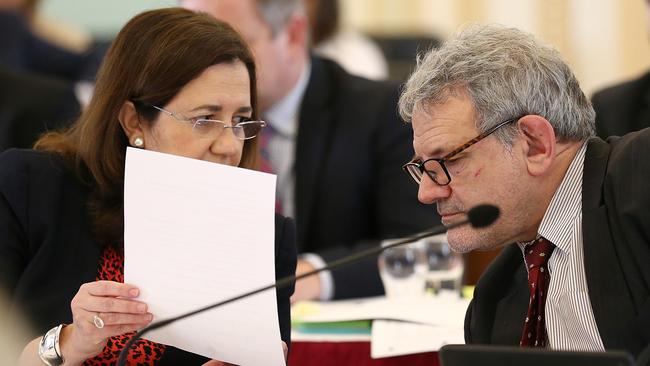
(608,293)
(314,136)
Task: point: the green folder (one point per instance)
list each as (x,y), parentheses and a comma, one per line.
(348,327)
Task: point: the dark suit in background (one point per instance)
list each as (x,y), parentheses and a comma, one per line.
(616,237)
(623,108)
(31,105)
(350,190)
(47,250)
(23,51)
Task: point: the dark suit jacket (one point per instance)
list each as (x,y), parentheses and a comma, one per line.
(47,251)
(23,51)
(616,237)
(350,190)
(623,108)
(31,105)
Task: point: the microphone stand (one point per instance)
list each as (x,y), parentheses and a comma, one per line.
(283,282)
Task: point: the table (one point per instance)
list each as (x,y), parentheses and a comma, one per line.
(355,353)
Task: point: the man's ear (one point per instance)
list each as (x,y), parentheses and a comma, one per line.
(130,122)
(538,143)
(297,32)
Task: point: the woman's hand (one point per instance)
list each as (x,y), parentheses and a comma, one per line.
(113,303)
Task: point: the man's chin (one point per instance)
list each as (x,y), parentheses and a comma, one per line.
(460,240)
(465,239)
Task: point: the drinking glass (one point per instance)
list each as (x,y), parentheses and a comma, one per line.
(444,266)
(403,270)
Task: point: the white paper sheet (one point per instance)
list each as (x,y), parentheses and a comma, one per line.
(197,233)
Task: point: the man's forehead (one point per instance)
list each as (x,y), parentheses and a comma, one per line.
(453,113)
(440,127)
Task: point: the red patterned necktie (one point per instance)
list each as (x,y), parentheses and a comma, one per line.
(536,256)
(265,137)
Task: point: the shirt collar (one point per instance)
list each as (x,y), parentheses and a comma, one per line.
(283,115)
(566,206)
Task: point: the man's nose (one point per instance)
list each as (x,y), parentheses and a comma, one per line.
(430,192)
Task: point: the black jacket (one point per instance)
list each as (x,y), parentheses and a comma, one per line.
(623,108)
(33,104)
(350,190)
(616,237)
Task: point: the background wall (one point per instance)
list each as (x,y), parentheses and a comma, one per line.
(604,41)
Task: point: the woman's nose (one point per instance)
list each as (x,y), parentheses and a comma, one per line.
(227,144)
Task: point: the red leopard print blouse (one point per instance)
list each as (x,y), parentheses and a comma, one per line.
(145,353)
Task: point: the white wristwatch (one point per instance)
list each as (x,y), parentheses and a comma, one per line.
(49,350)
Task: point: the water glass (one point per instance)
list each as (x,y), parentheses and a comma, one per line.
(444,266)
(403,270)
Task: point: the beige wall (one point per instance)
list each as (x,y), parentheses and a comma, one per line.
(604,41)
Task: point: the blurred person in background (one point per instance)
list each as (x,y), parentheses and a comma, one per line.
(176,82)
(32,104)
(55,31)
(22,50)
(356,53)
(336,144)
(624,107)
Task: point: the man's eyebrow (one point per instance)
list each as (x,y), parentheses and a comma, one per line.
(437,152)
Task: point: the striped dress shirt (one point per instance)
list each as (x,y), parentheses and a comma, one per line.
(570,322)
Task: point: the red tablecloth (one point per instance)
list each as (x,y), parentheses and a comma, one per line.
(351,353)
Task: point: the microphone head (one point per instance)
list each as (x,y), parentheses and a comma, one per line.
(482,215)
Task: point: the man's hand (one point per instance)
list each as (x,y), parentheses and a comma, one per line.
(307,288)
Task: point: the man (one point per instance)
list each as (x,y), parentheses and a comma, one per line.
(336,143)
(624,107)
(498,118)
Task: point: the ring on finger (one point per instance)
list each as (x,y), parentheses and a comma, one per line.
(98,321)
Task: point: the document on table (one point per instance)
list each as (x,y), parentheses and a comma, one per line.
(394,338)
(446,309)
(196,233)
(400,325)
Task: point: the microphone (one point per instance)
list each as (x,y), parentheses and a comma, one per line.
(478,217)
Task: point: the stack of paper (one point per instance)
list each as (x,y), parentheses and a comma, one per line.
(399,325)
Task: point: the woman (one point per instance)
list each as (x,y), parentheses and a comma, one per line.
(168,76)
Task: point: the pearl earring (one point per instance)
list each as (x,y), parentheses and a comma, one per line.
(138,142)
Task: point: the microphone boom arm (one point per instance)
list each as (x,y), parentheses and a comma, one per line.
(287,281)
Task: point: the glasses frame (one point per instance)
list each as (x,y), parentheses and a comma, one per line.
(180,118)
(441,161)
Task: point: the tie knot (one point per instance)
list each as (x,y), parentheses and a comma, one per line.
(538,253)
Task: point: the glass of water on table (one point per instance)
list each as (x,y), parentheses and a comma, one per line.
(403,269)
(444,266)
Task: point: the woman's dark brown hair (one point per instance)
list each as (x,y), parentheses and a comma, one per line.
(153,57)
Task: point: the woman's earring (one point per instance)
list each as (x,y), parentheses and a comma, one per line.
(138,142)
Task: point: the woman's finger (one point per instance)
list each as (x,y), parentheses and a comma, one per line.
(110,288)
(113,330)
(108,319)
(98,304)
